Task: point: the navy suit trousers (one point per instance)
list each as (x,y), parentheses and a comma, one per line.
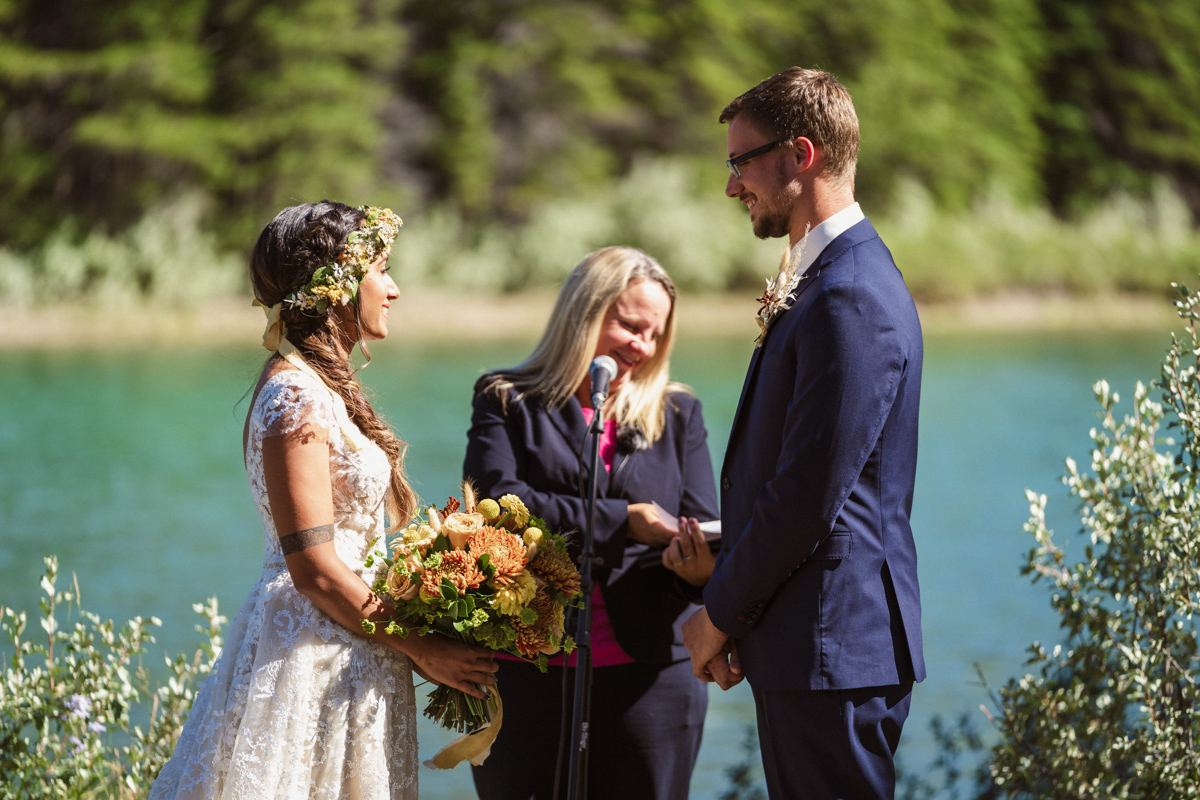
(831,744)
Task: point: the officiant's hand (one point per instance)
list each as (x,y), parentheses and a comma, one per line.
(450,663)
(688,554)
(646,527)
(713,653)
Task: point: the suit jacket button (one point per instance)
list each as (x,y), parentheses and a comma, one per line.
(726,483)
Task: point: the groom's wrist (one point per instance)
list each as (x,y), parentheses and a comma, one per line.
(725,619)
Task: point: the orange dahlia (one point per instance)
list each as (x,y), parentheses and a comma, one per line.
(555,566)
(535,638)
(506,551)
(458,567)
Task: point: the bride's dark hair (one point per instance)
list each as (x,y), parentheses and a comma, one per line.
(290,249)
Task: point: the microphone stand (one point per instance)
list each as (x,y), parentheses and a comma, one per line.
(577,781)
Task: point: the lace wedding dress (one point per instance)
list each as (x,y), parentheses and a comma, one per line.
(297,706)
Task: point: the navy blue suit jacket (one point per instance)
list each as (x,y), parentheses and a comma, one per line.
(533,452)
(817,575)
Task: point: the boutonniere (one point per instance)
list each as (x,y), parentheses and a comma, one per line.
(774,301)
(778,296)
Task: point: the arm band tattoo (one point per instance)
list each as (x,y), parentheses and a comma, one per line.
(302,540)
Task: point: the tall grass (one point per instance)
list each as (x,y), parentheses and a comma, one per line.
(667,208)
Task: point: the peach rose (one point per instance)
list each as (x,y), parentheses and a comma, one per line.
(400,584)
(459,526)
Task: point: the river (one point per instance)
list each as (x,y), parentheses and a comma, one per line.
(128,467)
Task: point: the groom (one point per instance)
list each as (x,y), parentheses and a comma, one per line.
(815,591)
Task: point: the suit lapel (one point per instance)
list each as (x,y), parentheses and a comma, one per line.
(859,232)
(569,421)
(620,472)
(756,357)
(750,372)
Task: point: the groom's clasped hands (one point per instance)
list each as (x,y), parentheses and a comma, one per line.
(714,654)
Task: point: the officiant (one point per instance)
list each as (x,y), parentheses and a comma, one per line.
(528,431)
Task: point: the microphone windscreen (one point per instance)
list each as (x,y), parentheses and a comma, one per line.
(605,363)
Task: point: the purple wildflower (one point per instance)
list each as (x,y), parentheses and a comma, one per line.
(80,706)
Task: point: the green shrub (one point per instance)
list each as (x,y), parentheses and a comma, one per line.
(70,707)
(1114,711)
(704,239)
(1123,245)
(670,208)
(165,258)
(664,206)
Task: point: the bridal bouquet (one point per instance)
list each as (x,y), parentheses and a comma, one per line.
(486,573)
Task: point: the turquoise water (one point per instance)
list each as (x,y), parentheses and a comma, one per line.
(128,467)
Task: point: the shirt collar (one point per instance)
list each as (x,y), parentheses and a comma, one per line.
(820,237)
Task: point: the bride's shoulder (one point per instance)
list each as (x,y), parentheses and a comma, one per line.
(291,397)
(290,382)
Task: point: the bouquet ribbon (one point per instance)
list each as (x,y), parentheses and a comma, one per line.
(474,747)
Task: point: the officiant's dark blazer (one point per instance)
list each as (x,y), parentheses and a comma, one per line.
(534,453)
(817,575)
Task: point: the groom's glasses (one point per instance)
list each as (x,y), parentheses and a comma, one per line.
(744,157)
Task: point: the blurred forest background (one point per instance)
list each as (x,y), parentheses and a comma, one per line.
(1040,144)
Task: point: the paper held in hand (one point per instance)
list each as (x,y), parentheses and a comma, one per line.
(711,528)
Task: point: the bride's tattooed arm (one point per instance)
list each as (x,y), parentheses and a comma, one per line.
(302,540)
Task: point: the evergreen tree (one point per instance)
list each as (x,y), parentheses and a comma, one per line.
(521,100)
(110,107)
(494,109)
(1122,80)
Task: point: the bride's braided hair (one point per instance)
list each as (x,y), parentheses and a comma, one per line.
(295,244)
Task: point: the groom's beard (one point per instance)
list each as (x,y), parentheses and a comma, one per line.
(775,212)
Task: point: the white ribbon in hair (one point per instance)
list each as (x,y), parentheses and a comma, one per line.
(275,341)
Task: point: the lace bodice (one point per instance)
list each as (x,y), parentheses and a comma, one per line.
(290,403)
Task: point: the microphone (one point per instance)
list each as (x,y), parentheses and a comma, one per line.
(602,371)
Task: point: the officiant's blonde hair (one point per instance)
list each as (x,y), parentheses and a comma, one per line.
(559,363)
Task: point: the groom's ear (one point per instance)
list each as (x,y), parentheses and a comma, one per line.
(806,154)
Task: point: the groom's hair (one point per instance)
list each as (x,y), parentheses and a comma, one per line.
(804,102)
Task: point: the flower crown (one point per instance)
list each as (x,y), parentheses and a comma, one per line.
(338,281)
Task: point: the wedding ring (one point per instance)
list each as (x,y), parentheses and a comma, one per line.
(678,563)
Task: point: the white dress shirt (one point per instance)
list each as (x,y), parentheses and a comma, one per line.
(809,249)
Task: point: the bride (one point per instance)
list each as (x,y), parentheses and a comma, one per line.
(301,702)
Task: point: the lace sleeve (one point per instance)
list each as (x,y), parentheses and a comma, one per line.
(290,400)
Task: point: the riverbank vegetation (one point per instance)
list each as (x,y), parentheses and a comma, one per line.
(80,715)
(1029,144)
(1114,709)
(168,258)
